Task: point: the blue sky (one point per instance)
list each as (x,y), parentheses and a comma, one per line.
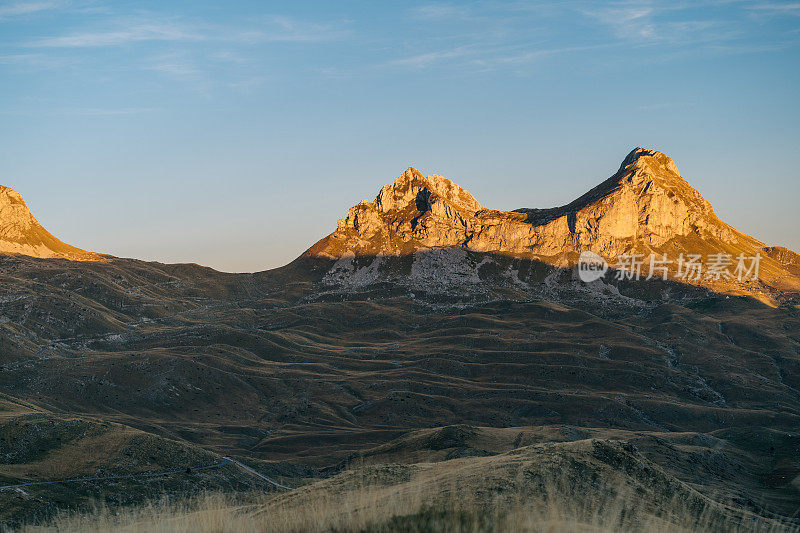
(235,134)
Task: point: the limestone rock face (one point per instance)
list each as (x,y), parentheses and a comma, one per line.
(645,208)
(21,233)
(646,202)
(429,211)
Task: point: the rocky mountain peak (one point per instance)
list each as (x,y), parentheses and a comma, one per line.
(646,207)
(21,233)
(652,160)
(646,202)
(414,205)
(412,189)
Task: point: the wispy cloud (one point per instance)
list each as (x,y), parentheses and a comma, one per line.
(287,29)
(652,22)
(26,8)
(228,56)
(36,62)
(421,61)
(126,31)
(541,53)
(482,59)
(440,11)
(177,65)
(203,54)
(80,111)
(487,35)
(8,59)
(777,8)
(626,21)
(485,10)
(132,34)
(99,112)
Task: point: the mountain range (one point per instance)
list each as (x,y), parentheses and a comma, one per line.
(425,328)
(645,208)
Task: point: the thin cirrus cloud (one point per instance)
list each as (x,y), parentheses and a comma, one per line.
(666,29)
(26,8)
(182,57)
(489,58)
(429,59)
(441,11)
(38,61)
(78,111)
(102,112)
(177,65)
(123,32)
(777,9)
(184,61)
(133,34)
(648,23)
(697,21)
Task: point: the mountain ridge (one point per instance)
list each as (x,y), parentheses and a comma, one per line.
(646,207)
(642,172)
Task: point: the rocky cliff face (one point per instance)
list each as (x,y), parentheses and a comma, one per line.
(646,202)
(21,233)
(645,207)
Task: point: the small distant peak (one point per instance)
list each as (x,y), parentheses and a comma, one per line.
(412,172)
(410,175)
(641,155)
(640,152)
(21,233)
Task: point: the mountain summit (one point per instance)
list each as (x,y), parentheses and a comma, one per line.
(646,201)
(646,207)
(21,233)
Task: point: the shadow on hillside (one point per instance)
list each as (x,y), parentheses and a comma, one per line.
(517,274)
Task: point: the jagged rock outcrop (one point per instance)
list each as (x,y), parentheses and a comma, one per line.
(645,207)
(21,233)
(646,202)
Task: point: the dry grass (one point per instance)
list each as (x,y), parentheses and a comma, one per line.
(420,501)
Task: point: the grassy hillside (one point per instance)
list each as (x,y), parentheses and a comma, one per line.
(588,485)
(100,363)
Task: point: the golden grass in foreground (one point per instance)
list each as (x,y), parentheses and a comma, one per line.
(372,504)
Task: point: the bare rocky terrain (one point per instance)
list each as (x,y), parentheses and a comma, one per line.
(21,233)
(424,329)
